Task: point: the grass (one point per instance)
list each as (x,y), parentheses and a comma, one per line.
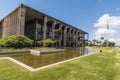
(99,66)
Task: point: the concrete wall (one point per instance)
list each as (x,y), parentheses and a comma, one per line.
(0,29)
(11,23)
(14,22)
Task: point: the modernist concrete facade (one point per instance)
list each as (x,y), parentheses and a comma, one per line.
(38,26)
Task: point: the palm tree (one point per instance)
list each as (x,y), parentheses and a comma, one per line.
(94,41)
(107,26)
(102,38)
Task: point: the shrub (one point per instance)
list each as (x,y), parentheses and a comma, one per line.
(16,41)
(47,41)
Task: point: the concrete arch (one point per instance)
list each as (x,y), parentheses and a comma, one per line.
(72,32)
(57,26)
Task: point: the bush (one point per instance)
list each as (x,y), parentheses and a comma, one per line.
(16,41)
(46,41)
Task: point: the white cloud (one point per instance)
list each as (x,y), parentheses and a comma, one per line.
(113,21)
(112,39)
(103,32)
(114,28)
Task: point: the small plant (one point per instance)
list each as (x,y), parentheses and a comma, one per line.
(16,41)
(47,42)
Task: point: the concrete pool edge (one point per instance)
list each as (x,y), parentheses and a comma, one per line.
(38,52)
(33,52)
(40,68)
(15,52)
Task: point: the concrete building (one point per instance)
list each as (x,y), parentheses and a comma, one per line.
(39,26)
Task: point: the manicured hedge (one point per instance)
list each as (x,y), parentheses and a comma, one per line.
(16,41)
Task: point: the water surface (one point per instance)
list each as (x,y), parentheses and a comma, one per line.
(46,59)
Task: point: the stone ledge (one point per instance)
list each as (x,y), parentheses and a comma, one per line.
(37,53)
(15,52)
(52,51)
(34,52)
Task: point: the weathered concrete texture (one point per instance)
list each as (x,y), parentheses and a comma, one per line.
(21,23)
(14,22)
(11,23)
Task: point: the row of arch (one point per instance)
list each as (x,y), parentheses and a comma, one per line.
(65,35)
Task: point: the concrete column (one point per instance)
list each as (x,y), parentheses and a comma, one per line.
(60,37)
(44,27)
(70,32)
(70,35)
(75,31)
(74,35)
(77,38)
(65,34)
(82,42)
(53,30)
(36,33)
(81,38)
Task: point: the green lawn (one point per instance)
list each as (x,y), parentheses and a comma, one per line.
(99,66)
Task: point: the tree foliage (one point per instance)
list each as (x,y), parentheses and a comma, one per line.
(16,41)
(46,41)
(105,43)
(108,43)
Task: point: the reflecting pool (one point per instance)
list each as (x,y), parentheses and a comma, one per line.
(46,59)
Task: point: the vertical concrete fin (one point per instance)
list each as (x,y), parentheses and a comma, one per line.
(21,20)
(45,27)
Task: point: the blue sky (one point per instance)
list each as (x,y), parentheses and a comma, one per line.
(88,15)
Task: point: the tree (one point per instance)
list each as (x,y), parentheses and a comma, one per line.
(108,43)
(102,38)
(94,41)
(104,43)
(111,44)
